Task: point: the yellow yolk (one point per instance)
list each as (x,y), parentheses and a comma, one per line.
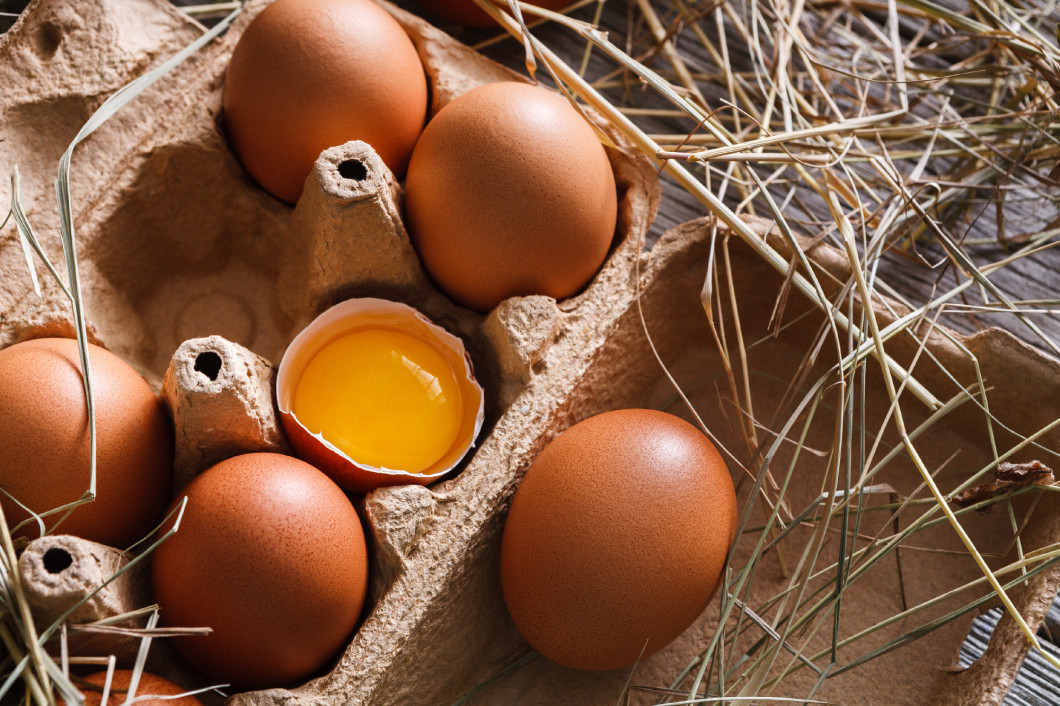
(382,397)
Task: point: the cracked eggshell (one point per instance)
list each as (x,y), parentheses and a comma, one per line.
(365,314)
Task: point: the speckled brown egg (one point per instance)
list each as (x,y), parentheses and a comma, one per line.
(616,538)
(310,74)
(44,442)
(509,193)
(149,685)
(271,556)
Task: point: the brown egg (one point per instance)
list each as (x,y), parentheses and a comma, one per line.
(616,538)
(310,74)
(149,685)
(469,13)
(270,554)
(44,444)
(509,193)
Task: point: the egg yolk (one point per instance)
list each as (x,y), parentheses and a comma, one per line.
(384,398)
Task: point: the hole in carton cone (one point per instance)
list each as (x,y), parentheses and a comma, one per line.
(353,169)
(57,560)
(209,364)
(48,39)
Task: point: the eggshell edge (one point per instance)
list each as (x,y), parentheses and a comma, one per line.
(317,450)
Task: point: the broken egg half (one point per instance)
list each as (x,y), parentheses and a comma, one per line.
(374,394)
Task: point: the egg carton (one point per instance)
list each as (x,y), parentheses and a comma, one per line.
(200,279)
